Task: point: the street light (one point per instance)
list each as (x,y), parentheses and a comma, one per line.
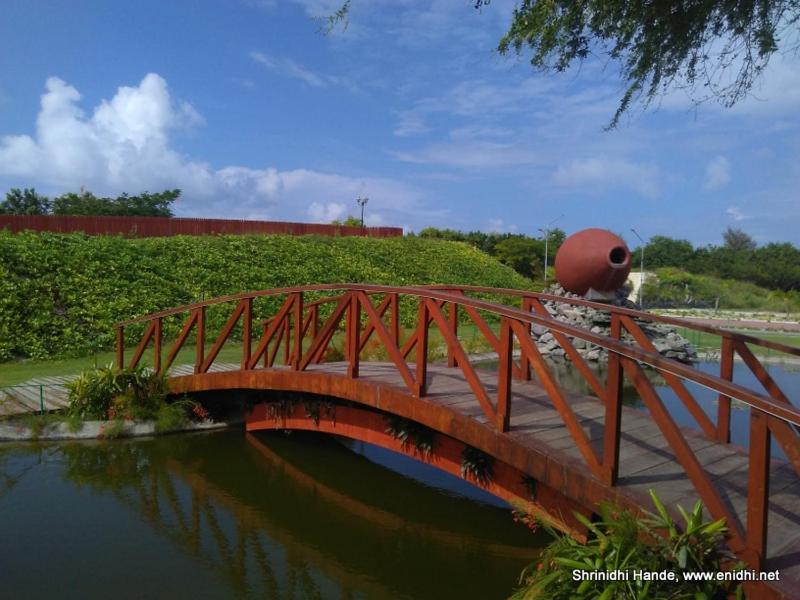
(641,269)
(546,232)
(362,203)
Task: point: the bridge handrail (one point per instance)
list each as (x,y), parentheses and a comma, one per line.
(783,411)
(621,310)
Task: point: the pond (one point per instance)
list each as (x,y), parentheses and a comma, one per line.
(234,515)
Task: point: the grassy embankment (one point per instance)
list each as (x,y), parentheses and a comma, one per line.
(60,295)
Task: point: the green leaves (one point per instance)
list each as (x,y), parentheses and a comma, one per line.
(660,46)
(621,542)
(60,295)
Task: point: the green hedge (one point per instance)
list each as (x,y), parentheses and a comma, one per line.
(60,294)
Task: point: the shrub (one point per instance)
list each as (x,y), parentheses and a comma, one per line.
(621,541)
(60,294)
(109,393)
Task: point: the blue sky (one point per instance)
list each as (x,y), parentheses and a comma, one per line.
(252,112)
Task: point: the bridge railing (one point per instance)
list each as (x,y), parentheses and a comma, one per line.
(302,332)
(732,344)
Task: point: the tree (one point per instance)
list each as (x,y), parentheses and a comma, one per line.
(24,202)
(141,205)
(719,46)
(523,254)
(736,239)
(350,221)
(664,251)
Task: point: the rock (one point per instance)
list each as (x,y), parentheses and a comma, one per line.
(665,339)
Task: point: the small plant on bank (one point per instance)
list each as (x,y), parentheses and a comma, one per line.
(622,541)
(476,465)
(113,429)
(109,393)
(36,423)
(411,434)
(120,395)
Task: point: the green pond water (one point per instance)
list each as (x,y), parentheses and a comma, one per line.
(232,515)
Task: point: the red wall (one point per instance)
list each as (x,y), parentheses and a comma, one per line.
(162,226)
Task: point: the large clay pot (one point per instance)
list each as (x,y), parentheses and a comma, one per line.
(592,258)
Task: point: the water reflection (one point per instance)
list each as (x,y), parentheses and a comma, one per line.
(229,514)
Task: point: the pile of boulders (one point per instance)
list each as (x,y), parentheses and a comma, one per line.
(665,338)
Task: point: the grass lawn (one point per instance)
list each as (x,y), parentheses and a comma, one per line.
(709,341)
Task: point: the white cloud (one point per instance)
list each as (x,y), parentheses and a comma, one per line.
(593,173)
(325,213)
(472,154)
(718,173)
(124,146)
(123,143)
(289,68)
(735,213)
(500,226)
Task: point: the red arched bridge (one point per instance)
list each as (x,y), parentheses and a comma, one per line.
(510,428)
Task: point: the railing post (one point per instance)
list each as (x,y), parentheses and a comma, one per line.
(157,337)
(247,332)
(453,322)
(298,331)
(524,360)
(353,335)
(120,347)
(506,356)
(421,373)
(395,319)
(724,402)
(314,321)
(266,351)
(613,400)
(200,349)
(758,489)
(287,339)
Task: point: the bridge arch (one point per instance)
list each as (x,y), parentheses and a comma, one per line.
(586,449)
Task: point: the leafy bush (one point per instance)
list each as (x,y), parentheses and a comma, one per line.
(621,541)
(678,288)
(108,393)
(60,294)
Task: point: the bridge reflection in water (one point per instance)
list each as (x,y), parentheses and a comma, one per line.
(574,451)
(261,516)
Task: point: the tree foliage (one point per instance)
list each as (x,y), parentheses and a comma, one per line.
(141,205)
(775,266)
(718,46)
(350,221)
(24,202)
(28,202)
(736,239)
(522,253)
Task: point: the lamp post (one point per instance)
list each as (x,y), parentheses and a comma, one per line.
(641,269)
(546,232)
(362,202)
